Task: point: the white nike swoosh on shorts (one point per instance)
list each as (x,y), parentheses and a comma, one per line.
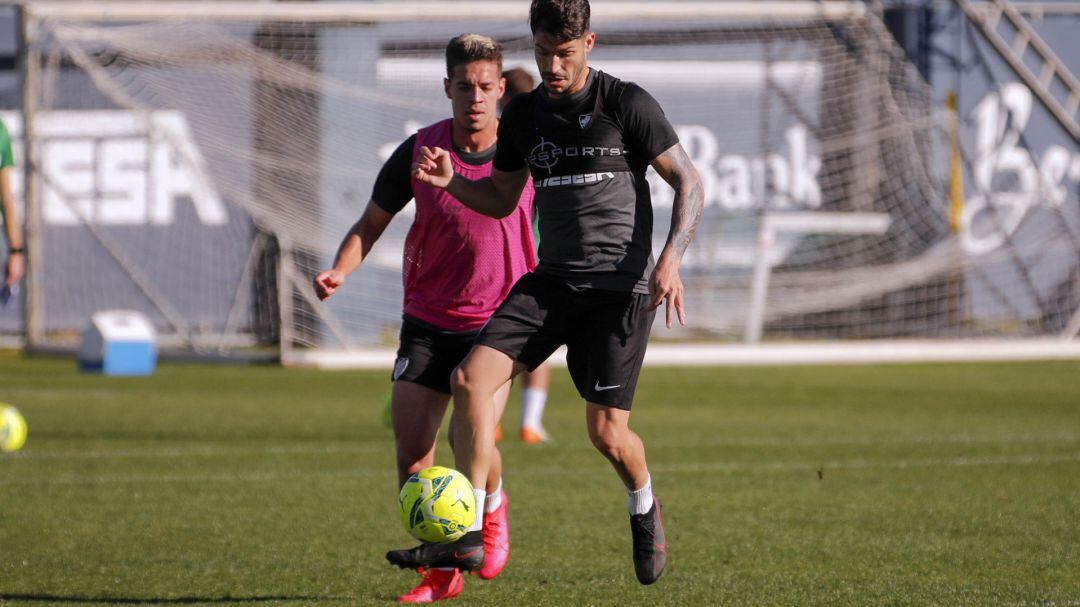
(600,388)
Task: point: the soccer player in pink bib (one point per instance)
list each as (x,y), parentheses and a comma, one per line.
(459,265)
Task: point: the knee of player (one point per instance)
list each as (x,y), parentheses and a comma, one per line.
(607,439)
(466,381)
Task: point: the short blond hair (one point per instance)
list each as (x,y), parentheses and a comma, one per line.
(467,48)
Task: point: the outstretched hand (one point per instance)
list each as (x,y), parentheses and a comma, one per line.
(433,167)
(327,283)
(666,286)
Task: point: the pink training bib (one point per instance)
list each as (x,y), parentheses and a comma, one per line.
(459,264)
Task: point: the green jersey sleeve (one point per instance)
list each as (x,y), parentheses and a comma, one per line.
(6,159)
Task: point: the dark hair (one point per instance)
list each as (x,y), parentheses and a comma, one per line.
(563,19)
(467,48)
(518,81)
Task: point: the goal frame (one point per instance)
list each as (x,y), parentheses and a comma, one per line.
(1065,346)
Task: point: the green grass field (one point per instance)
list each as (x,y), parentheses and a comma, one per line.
(861,485)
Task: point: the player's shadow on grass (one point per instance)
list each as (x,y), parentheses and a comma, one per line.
(180,600)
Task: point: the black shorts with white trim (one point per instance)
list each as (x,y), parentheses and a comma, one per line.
(605,333)
(427,355)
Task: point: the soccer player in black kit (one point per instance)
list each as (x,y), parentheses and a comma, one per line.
(587,138)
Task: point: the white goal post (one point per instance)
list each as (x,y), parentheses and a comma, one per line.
(201,162)
(389,12)
(773,224)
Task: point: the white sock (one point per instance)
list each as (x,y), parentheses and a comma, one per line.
(532,407)
(494,500)
(478,522)
(640,501)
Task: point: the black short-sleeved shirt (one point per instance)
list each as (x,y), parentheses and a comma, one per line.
(587,156)
(393,186)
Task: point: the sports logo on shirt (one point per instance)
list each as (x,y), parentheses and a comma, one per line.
(579,179)
(584,120)
(545,155)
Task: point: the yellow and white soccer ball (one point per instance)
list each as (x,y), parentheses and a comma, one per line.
(12,429)
(437,505)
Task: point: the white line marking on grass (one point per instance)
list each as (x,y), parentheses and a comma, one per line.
(332,449)
(225,477)
(375,447)
(956,462)
(258,477)
(1048,603)
(869,440)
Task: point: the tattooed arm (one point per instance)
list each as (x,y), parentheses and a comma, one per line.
(666,285)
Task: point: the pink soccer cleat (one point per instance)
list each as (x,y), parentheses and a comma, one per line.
(496,532)
(436,585)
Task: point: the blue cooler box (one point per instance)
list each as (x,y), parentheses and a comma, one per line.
(118,342)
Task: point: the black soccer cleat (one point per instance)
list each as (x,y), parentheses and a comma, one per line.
(466,554)
(650,544)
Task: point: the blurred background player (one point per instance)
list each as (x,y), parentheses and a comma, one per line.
(15,265)
(458,267)
(534,384)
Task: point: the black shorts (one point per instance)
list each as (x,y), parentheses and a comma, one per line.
(427,355)
(605,333)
